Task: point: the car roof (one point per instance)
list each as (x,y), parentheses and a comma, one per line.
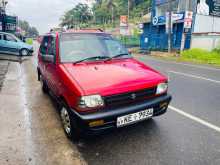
(78,31)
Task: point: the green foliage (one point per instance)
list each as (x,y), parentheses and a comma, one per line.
(80,15)
(201,56)
(30,31)
(29,41)
(104,13)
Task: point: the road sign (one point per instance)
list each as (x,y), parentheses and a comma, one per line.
(155,20)
(123,20)
(188,19)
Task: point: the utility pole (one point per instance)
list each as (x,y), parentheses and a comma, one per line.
(128,9)
(170,27)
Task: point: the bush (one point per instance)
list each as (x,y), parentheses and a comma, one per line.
(29,41)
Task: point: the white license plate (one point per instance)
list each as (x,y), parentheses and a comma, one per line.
(135,117)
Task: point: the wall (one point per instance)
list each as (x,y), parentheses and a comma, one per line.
(208,42)
(206,24)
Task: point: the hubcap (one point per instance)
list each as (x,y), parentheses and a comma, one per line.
(65,120)
(24,52)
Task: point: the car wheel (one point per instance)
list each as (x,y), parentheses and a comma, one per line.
(44,86)
(24,52)
(69,124)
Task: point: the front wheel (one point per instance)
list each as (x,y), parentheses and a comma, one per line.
(69,124)
(24,52)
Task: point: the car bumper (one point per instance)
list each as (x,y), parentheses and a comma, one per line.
(159,104)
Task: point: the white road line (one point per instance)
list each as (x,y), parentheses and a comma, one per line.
(194,118)
(180,63)
(194,76)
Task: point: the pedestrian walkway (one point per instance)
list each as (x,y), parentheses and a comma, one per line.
(3,71)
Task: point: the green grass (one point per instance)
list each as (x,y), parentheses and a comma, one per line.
(130,40)
(29,41)
(201,56)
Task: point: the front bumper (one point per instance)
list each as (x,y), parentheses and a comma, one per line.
(160,105)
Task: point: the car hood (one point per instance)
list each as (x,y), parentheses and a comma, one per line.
(113,77)
(24,45)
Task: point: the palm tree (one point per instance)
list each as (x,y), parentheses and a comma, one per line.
(111,4)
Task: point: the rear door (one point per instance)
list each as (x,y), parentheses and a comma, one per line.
(2,43)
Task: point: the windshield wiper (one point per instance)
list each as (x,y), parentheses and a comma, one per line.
(118,55)
(92,58)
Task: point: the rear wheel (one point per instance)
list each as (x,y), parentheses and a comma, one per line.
(24,52)
(69,123)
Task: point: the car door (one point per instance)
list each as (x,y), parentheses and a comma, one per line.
(42,53)
(2,43)
(11,44)
(52,75)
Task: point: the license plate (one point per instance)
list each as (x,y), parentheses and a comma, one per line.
(135,117)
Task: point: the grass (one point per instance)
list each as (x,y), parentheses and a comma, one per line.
(201,56)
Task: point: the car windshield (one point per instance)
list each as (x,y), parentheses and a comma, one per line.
(77,47)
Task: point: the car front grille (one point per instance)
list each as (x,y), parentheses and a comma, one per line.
(130,97)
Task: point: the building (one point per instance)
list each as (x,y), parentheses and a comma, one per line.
(7,23)
(195,24)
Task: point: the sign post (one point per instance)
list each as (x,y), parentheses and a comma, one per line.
(124,28)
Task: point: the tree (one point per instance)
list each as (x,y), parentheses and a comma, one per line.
(104,12)
(29,31)
(78,16)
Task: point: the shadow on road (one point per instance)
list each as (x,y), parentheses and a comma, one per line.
(115,147)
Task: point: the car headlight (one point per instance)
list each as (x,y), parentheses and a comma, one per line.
(162,88)
(91,101)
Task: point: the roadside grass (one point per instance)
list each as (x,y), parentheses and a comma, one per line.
(29,41)
(201,56)
(194,56)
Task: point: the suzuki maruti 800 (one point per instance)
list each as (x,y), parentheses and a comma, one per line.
(97,83)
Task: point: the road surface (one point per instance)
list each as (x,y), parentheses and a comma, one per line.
(189,133)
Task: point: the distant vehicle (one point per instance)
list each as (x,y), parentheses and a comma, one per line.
(97,83)
(10,44)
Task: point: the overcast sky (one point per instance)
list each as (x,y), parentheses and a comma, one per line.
(43,14)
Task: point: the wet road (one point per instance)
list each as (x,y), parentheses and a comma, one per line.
(188,134)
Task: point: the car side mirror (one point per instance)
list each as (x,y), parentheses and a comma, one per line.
(48,58)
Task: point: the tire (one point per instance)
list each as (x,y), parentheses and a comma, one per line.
(44,86)
(24,52)
(69,123)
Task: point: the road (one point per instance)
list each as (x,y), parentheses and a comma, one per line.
(189,133)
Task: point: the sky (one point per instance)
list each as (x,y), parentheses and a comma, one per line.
(43,14)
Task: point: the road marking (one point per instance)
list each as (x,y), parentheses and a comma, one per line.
(194,76)
(179,63)
(198,120)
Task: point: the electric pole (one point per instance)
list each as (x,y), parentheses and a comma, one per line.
(128,8)
(170,27)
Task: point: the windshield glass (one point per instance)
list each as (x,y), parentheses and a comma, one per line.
(76,47)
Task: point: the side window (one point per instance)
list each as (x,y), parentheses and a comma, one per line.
(1,37)
(9,38)
(52,46)
(44,45)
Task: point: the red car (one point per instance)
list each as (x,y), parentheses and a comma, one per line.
(97,83)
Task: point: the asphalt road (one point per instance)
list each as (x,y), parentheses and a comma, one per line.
(188,134)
